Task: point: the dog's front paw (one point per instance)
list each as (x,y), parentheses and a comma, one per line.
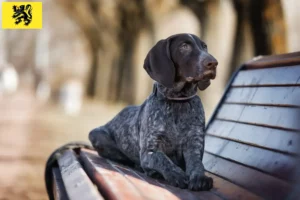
(200,182)
(177,178)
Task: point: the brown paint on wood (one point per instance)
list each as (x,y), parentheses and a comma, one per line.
(270,61)
(111,184)
(222,188)
(156,189)
(228,190)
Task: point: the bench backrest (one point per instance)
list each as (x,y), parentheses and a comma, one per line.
(253,138)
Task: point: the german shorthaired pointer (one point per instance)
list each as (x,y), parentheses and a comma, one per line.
(165,135)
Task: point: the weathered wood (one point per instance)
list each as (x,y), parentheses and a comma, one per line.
(142,182)
(269,77)
(133,182)
(261,184)
(268,116)
(274,163)
(263,137)
(281,60)
(182,194)
(285,96)
(77,183)
(251,145)
(59,190)
(228,190)
(111,184)
(222,188)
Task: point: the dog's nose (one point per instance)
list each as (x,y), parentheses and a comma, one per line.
(211,63)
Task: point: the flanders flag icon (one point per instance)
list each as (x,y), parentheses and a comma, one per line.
(22,15)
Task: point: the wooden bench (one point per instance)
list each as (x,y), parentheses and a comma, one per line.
(251,148)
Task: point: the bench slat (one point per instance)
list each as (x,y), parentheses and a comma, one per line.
(280,96)
(277,117)
(273,163)
(277,60)
(229,190)
(142,182)
(111,184)
(76,181)
(264,185)
(117,186)
(222,188)
(149,188)
(270,138)
(58,187)
(271,76)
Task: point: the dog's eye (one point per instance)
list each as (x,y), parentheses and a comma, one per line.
(185,46)
(204,46)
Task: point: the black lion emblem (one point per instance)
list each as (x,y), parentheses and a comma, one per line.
(22,13)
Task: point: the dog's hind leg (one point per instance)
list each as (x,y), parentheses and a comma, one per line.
(105,145)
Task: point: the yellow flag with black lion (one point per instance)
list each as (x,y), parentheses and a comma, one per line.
(22,15)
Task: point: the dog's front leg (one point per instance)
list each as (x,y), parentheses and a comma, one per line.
(159,162)
(193,153)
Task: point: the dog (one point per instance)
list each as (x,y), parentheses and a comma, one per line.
(165,135)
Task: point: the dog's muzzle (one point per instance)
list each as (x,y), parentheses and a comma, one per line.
(208,69)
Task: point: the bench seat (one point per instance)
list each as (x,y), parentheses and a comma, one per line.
(252,146)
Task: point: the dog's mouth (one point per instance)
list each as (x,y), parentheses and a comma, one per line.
(209,74)
(205,76)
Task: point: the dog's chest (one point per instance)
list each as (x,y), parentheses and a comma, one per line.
(167,125)
(183,118)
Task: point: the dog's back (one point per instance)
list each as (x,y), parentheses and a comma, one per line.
(124,129)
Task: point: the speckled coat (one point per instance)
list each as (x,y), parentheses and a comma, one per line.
(164,135)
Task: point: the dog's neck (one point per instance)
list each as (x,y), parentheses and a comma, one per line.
(181,91)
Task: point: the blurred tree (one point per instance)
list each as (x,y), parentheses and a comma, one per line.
(111,28)
(133,19)
(86,16)
(260,30)
(200,8)
(268,26)
(119,33)
(291,19)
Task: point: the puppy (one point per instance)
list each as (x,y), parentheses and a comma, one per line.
(165,135)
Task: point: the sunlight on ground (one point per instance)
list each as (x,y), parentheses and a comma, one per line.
(29,133)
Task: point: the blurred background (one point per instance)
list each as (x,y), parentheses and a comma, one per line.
(86,64)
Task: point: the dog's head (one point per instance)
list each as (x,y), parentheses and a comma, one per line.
(181,57)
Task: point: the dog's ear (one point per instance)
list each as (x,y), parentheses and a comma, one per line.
(159,64)
(202,85)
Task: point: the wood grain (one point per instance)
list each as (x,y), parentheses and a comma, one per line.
(149,188)
(76,181)
(263,137)
(276,96)
(59,189)
(269,77)
(261,184)
(268,116)
(273,163)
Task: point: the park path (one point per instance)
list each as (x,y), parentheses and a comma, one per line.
(29,132)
